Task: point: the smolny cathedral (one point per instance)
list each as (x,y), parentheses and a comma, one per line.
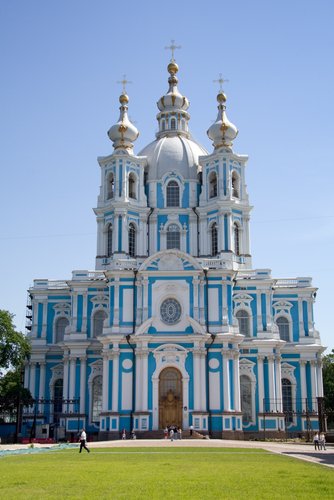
(174,326)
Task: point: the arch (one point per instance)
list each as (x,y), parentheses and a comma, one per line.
(132,239)
(246,399)
(235,185)
(96,398)
(60,325)
(213,185)
(110,186)
(173,194)
(170,397)
(173,124)
(163,125)
(58,398)
(132,186)
(214,239)
(98,319)
(283,327)
(109,240)
(243,318)
(173,237)
(236,238)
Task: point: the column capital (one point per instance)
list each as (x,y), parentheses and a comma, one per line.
(270,357)
(260,357)
(302,362)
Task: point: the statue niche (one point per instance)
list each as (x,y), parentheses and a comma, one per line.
(170,398)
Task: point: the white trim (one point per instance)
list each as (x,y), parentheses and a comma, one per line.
(246,368)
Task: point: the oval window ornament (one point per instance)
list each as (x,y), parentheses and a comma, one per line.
(170,311)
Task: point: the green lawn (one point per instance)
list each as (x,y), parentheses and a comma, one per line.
(162,473)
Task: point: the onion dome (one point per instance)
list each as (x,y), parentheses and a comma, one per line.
(222,132)
(123,133)
(173,117)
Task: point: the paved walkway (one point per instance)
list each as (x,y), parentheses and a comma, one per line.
(303,451)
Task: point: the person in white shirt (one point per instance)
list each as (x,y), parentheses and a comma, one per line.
(83,438)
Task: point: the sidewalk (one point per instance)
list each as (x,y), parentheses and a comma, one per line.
(302,451)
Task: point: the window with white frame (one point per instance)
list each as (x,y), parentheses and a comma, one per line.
(287,399)
(109,240)
(244,322)
(283,328)
(173,124)
(132,186)
(110,186)
(173,237)
(58,398)
(173,194)
(96,398)
(213,185)
(60,326)
(132,240)
(235,185)
(163,125)
(98,321)
(236,237)
(246,399)
(214,239)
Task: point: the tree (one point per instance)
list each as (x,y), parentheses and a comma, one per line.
(13,393)
(328,378)
(14,346)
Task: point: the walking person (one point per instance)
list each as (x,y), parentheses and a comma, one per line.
(316,441)
(191,428)
(171,434)
(179,433)
(83,439)
(165,432)
(123,434)
(322,441)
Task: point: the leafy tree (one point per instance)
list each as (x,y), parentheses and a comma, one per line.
(12,392)
(14,346)
(328,378)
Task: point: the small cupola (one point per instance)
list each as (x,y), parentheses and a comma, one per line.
(123,133)
(222,132)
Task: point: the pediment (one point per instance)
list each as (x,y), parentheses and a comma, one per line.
(170,260)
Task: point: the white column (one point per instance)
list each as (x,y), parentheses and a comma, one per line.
(300,315)
(197,386)
(320,381)
(278,379)
(271,376)
(125,234)
(83,366)
(105,381)
(203,384)
(73,362)
(260,382)
(201,303)
(101,250)
(139,314)
(302,366)
(65,381)
(139,377)
(115,377)
(144,405)
(314,384)
(259,311)
(116,301)
(84,312)
(221,232)
(44,322)
(145,298)
(236,380)
(41,393)
(32,384)
(224,303)
(229,231)
(195,295)
(226,379)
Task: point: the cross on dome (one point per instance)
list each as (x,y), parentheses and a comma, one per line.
(220,80)
(172,48)
(124,82)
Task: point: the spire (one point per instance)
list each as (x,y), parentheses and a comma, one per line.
(222,132)
(173,117)
(123,133)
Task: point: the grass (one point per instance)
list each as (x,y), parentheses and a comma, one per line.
(198,473)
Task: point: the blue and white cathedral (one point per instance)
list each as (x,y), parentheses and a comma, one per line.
(174,326)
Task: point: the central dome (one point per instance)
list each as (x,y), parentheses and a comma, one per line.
(173,153)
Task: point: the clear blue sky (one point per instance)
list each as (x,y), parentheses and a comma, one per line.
(60,62)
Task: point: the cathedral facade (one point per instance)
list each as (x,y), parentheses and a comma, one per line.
(174,326)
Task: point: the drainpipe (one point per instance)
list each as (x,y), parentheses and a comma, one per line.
(148,230)
(128,338)
(213,337)
(195,212)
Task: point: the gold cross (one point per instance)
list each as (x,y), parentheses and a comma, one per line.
(172,47)
(124,82)
(220,80)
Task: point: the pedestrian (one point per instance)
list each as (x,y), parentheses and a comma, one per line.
(322,441)
(191,428)
(83,439)
(166,432)
(171,434)
(179,433)
(123,434)
(316,441)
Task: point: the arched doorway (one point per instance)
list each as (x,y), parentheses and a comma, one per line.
(170,398)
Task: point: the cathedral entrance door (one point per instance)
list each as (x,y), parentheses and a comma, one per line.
(170,398)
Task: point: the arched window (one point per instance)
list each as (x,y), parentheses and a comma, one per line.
(236,234)
(61,324)
(213,185)
(235,185)
(110,186)
(163,125)
(214,239)
(287,399)
(132,240)
(132,187)
(246,399)
(96,398)
(284,328)
(173,237)
(173,194)
(109,241)
(58,399)
(98,321)
(173,124)
(183,124)
(244,323)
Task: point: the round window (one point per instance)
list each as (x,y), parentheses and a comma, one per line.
(170,311)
